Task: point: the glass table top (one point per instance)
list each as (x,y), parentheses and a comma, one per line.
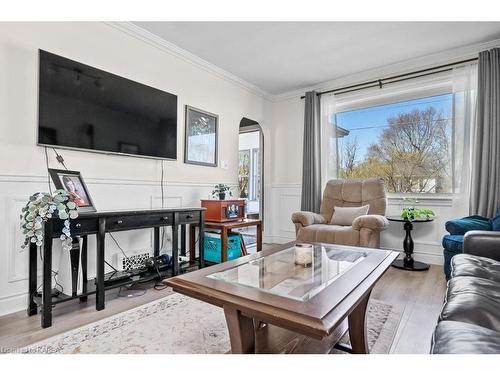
(298,272)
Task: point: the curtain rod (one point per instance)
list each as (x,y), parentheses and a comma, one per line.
(396,78)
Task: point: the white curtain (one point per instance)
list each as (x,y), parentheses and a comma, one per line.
(464,113)
(329,141)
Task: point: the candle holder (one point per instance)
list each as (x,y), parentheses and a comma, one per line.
(303,254)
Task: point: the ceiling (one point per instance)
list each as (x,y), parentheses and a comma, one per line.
(280,57)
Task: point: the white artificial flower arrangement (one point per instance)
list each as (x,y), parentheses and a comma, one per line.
(42,207)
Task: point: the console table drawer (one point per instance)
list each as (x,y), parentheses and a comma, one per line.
(189,217)
(137,222)
(78,227)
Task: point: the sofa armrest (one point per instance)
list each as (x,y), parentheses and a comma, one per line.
(482,243)
(306,218)
(373,222)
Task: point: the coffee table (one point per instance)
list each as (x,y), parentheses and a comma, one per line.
(272,304)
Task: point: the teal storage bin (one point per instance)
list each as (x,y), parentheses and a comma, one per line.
(212,249)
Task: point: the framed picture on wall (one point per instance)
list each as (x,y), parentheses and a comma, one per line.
(72,182)
(201,137)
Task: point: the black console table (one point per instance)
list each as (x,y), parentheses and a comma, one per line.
(99,223)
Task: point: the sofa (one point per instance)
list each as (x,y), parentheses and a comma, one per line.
(453,242)
(363,231)
(469,322)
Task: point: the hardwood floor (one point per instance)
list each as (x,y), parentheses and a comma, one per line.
(418,294)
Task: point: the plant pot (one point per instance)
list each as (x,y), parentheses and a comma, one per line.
(222,196)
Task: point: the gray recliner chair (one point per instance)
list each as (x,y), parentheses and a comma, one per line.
(364,231)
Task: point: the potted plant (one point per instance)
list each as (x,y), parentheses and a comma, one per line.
(220,191)
(411,213)
(40,208)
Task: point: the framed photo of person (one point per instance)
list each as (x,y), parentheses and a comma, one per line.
(72,182)
(201,137)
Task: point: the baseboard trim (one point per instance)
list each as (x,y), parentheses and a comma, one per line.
(13,303)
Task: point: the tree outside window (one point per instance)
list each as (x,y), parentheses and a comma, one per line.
(408,144)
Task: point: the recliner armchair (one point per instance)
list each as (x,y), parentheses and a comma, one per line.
(364,231)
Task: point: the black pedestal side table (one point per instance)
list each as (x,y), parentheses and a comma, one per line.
(408,263)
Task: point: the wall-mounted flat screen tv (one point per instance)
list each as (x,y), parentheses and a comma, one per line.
(81,107)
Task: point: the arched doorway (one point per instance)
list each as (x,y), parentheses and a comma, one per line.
(251,169)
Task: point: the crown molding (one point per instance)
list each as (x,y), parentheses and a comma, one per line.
(162,44)
(422,62)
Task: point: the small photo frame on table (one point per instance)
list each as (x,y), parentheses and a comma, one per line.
(201,137)
(72,182)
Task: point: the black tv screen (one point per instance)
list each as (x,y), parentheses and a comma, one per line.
(87,108)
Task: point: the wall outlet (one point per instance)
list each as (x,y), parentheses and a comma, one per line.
(224,164)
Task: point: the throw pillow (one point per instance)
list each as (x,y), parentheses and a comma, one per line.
(346,215)
(495,222)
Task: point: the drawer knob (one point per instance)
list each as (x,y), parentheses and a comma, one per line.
(189,216)
(164,218)
(119,222)
(78,225)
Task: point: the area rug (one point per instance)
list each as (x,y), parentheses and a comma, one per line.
(177,324)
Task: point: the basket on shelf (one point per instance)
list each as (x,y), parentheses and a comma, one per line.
(213,246)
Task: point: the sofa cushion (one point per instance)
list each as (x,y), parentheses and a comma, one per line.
(474,308)
(471,265)
(465,224)
(471,284)
(463,338)
(346,215)
(328,233)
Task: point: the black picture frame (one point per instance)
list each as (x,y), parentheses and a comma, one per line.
(192,116)
(82,199)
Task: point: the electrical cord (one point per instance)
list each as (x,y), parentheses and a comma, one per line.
(114,269)
(160,285)
(60,159)
(47,165)
(119,247)
(54,273)
(162,186)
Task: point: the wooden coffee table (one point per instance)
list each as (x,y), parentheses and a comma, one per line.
(274,305)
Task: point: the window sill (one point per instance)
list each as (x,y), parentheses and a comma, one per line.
(440,200)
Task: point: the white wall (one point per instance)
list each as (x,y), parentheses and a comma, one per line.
(114,181)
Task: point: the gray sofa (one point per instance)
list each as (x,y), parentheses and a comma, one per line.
(469,322)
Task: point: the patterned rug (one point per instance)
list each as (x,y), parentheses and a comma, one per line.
(178,324)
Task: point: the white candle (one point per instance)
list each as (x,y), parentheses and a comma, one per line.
(303,254)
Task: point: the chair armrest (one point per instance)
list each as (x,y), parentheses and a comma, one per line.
(465,224)
(373,222)
(306,218)
(482,243)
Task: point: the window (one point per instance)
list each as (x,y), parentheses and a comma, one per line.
(407,143)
